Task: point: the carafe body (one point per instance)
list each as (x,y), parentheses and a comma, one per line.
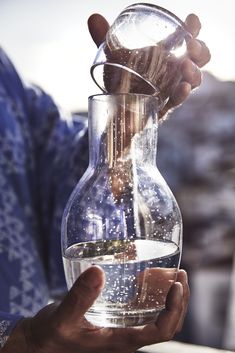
(122,215)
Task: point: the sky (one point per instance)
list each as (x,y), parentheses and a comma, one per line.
(49,42)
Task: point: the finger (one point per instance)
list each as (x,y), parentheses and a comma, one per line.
(181,92)
(81,296)
(194,49)
(198,52)
(166,325)
(193,25)
(98,27)
(190,73)
(163,330)
(168,319)
(183,279)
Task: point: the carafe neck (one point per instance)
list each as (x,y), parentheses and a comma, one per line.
(122,129)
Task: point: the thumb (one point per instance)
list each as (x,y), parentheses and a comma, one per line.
(82,295)
(98,27)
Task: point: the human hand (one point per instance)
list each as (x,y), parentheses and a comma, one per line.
(63,329)
(156,282)
(189,67)
(198,56)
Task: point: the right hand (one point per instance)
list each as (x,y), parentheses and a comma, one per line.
(189,68)
(63,329)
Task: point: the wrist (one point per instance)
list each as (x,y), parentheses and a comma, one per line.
(18,341)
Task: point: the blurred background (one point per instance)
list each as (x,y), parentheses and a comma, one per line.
(49,43)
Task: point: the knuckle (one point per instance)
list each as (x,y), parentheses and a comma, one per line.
(194,48)
(134,341)
(59,329)
(167,336)
(186,63)
(197,79)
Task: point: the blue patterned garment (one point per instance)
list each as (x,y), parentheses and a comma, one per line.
(42,156)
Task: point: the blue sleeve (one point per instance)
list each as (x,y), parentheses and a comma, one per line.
(61,151)
(43,155)
(7,323)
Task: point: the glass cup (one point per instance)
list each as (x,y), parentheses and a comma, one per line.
(142,52)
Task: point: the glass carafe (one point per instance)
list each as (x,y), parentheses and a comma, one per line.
(122,216)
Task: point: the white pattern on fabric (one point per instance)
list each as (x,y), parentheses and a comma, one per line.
(42,156)
(3,328)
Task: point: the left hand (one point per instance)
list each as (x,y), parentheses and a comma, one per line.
(198,56)
(63,329)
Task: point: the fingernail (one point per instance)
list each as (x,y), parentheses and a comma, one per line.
(180,289)
(182,276)
(194,48)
